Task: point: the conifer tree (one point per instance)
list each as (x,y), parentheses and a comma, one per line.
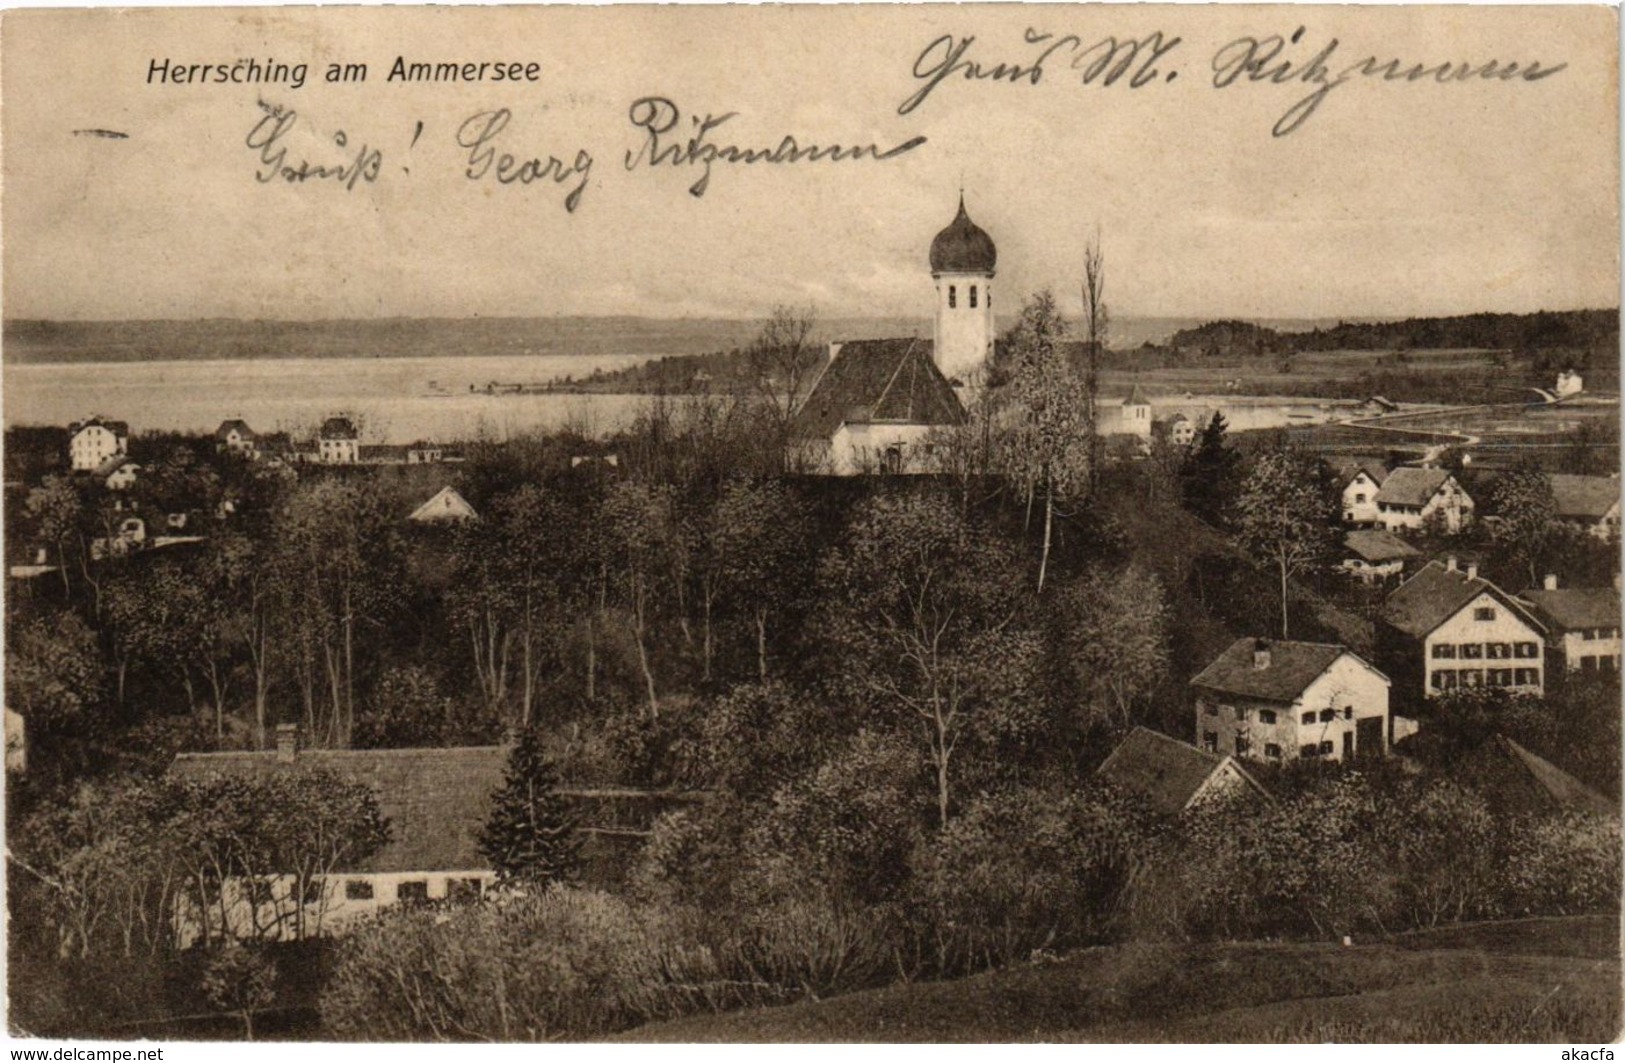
(531,835)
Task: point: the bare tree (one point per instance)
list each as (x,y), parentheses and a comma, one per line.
(782,360)
(1096,320)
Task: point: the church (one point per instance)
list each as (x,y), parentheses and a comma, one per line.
(879,404)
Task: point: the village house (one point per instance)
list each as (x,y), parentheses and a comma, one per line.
(1446,628)
(235,437)
(1131,417)
(118,473)
(1582,624)
(1374,555)
(1279,700)
(427,452)
(1590,503)
(1569,382)
(93,441)
(1414,498)
(338,442)
(1171,776)
(1179,430)
(446,505)
(1361,481)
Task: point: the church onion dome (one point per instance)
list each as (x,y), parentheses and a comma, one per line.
(963,247)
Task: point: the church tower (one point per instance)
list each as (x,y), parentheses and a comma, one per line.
(962,262)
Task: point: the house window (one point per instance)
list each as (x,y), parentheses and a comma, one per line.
(1326,748)
(893,460)
(1472,677)
(1443,651)
(1308,717)
(973,297)
(1242,745)
(413,892)
(1499,677)
(1266,715)
(1588,664)
(1272,751)
(953,297)
(1310,750)
(1484,612)
(1608,663)
(357,889)
(1498,651)
(1472,651)
(1360,497)
(1210,741)
(1525,649)
(1348,712)
(1527,677)
(1241,713)
(1328,715)
(1444,680)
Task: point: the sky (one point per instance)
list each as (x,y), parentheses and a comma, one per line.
(1392,199)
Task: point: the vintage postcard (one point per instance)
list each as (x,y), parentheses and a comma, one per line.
(882,523)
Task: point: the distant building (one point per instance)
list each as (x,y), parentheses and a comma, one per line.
(963,261)
(1361,482)
(875,408)
(118,473)
(1590,503)
(1374,555)
(93,441)
(1413,498)
(338,442)
(235,437)
(1582,624)
(1280,700)
(1446,628)
(1180,430)
(1173,776)
(1568,383)
(446,505)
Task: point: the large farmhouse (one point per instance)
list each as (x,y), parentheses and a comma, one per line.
(1413,498)
(93,441)
(1274,701)
(1446,627)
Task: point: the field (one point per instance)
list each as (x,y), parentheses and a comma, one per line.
(1539,980)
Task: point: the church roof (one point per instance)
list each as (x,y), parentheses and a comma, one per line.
(887,381)
(963,247)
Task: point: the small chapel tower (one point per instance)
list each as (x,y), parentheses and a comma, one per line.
(962,263)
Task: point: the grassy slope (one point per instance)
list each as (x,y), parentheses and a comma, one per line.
(1533,980)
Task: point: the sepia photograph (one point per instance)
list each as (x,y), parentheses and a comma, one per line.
(878,523)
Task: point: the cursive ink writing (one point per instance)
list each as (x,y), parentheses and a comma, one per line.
(1260,59)
(1104,61)
(266,139)
(658,116)
(478,131)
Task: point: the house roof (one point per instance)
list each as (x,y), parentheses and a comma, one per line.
(1292,667)
(1410,486)
(236,424)
(1571,608)
(339,428)
(889,381)
(963,247)
(1376,546)
(1136,397)
(436,800)
(382,452)
(447,504)
(1585,497)
(1515,780)
(1168,773)
(1435,594)
(118,428)
(113,464)
(1349,468)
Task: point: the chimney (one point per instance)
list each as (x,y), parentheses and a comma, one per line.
(1450,563)
(1550,582)
(1261,655)
(287,742)
(1472,570)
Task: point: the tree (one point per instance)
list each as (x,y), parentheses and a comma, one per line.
(1210,476)
(758,531)
(1116,641)
(639,530)
(53,673)
(1096,319)
(1044,427)
(530,837)
(1526,516)
(55,508)
(1284,518)
(925,617)
(240,979)
(781,362)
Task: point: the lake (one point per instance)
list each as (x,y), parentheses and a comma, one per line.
(397,400)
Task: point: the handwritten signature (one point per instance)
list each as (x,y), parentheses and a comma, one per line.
(1104,61)
(266,139)
(477,133)
(658,116)
(1260,59)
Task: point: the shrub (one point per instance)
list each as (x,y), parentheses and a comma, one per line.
(1560,864)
